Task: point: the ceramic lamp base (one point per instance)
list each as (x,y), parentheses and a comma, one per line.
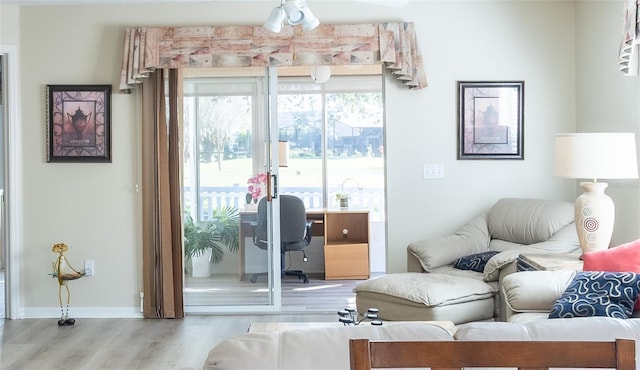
(594,215)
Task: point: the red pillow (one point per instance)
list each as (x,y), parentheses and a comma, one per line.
(623,258)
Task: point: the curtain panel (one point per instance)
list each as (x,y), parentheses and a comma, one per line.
(161,208)
(628,57)
(392,44)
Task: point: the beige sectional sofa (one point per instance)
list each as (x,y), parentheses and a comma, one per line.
(434,289)
(328,348)
(529,296)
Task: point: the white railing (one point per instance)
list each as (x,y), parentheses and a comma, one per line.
(234,196)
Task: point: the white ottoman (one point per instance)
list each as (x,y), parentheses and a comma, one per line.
(414,296)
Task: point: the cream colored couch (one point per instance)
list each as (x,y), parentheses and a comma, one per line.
(529,295)
(328,348)
(434,290)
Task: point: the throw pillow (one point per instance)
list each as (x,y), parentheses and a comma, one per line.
(598,293)
(625,257)
(475,262)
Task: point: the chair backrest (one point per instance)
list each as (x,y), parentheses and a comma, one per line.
(530,355)
(293,221)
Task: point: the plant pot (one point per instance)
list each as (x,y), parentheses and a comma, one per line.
(344,203)
(201,266)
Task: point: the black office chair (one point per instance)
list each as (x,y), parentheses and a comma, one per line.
(295,232)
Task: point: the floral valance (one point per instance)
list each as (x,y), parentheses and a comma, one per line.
(391,44)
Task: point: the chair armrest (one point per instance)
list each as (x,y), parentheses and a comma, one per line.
(254,225)
(469,239)
(307,235)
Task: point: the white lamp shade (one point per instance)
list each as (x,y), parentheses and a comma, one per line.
(295,15)
(274,22)
(310,22)
(596,156)
(283,154)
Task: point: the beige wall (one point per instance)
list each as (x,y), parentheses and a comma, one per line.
(9,21)
(607,101)
(94,208)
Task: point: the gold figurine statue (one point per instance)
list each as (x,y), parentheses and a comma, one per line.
(63,270)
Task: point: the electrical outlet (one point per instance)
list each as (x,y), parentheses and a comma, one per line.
(89,268)
(433,171)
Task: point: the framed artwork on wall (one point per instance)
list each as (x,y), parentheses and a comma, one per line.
(491,120)
(78,123)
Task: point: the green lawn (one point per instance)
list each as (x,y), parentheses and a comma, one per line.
(302,172)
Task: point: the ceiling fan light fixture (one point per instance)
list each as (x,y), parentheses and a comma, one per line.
(296,12)
(309,21)
(274,22)
(295,15)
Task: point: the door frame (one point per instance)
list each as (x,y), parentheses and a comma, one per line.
(12,217)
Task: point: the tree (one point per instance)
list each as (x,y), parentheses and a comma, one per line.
(220,119)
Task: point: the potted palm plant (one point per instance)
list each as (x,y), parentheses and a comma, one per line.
(207,243)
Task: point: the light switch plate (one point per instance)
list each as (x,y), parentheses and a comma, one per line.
(433,171)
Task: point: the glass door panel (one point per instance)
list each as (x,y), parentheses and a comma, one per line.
(224,178)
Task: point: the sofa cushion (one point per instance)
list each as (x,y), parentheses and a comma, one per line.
(499,261)
(528,221)
(625,257)
(473,237)
(598,293)
(535,291)
(313,348)
(428,289)
(576,329)
(474,262)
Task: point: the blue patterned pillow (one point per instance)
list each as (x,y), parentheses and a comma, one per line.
(598,293)
(475,262)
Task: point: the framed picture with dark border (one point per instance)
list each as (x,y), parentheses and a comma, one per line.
(491,120)
(78,123)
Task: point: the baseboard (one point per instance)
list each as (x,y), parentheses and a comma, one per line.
(83,312)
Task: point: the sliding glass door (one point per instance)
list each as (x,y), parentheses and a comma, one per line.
(226,172)
(235,124)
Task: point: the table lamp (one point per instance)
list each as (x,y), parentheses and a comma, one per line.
(283,153)
(595,156)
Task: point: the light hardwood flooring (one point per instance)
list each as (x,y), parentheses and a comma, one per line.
(125,344)
(318,295)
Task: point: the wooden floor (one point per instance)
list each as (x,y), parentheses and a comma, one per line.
(125,344)
(317,296)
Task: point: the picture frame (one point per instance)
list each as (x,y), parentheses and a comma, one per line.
(79,123)
(491,120)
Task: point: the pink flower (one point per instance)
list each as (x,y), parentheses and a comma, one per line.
(256,184)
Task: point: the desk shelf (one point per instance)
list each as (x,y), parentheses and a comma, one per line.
(346,248)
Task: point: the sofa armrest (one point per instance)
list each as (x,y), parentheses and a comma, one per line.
(413,263)
(534,291)
(433,253)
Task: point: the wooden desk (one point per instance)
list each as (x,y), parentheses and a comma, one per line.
(346,240)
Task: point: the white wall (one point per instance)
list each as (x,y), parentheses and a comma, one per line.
(94,208)
(607,100)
